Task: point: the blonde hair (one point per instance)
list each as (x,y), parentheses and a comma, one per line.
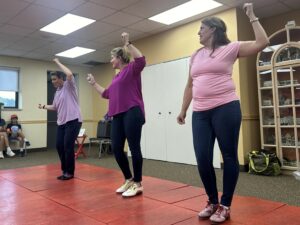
(121,53)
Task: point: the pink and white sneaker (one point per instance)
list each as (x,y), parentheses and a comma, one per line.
(208,210)
(222,214)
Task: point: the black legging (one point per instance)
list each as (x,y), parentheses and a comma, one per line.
(128,125)
(65,142)
(221,123)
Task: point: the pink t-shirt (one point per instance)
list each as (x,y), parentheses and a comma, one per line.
(66,103)
(212,76)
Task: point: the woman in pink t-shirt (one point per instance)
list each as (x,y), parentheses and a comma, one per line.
(126,106)
(216,107)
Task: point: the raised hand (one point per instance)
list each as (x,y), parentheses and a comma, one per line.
(56,60)
(248,8)
(125,38)
(90,78)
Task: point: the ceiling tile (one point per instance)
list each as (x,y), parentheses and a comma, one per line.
(10,8)
(93,11)
(147,25)
(68,40)
(29,44)
(20,21)
(36,17)
(122,19)
(114,38)
(65,5)
(12,52)
(93,45)
(28,0)
(94,30)
(4,44)
(37,55)
(277,8)
(52,49)
(115,4)
(10,29)
(45,35)
(10,37)
(146,8)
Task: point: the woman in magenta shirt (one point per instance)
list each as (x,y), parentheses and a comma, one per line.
(126,106)
(216,107)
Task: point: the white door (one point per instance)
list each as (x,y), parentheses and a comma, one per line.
(154,128)
(178,137)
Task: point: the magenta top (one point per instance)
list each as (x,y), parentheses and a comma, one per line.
(66,103)
(212,76)
(125,91)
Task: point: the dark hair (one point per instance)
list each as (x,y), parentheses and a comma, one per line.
(122,53)
(219,36)
(58,74)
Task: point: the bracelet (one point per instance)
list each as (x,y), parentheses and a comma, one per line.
(254,20)
(44,106)
(129,43)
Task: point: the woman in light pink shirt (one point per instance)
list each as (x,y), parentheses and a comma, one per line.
(68,118)
(216,107)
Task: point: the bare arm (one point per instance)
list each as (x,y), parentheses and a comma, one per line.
(90,78)
(187,98)
(134,52)
(66,70)
(248,48)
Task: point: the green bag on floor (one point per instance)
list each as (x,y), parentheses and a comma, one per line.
(264,163)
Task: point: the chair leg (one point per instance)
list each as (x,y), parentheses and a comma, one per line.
(100,149)
(89,149)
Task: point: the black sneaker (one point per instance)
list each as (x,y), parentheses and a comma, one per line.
(61,177)
(67,177)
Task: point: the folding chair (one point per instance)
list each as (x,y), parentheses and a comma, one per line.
(103,136)
(80,142)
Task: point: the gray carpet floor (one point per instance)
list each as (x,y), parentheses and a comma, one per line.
(284,188)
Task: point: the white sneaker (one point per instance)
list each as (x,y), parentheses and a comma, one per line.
(133,190)
(1,155)
(125,186)
(9,152)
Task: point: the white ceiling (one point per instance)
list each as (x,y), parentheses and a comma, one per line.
(20,21)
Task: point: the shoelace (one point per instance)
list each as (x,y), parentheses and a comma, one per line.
(209,206)
(133,187)
(219,210)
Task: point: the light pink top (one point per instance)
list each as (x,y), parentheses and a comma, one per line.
(66,103)
(212,76)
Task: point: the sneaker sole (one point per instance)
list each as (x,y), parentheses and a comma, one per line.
(215,223)
(129,196)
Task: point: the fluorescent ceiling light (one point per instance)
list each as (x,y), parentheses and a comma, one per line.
(184,11)
(75,52)
(67,24)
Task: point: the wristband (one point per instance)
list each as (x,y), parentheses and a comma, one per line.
(129,43)
(44,106)
(254,20)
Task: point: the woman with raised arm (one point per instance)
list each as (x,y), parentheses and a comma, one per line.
(126,107)
(216,107)
(68,118)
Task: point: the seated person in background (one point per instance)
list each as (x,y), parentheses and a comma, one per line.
(14,131)
(4,140)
